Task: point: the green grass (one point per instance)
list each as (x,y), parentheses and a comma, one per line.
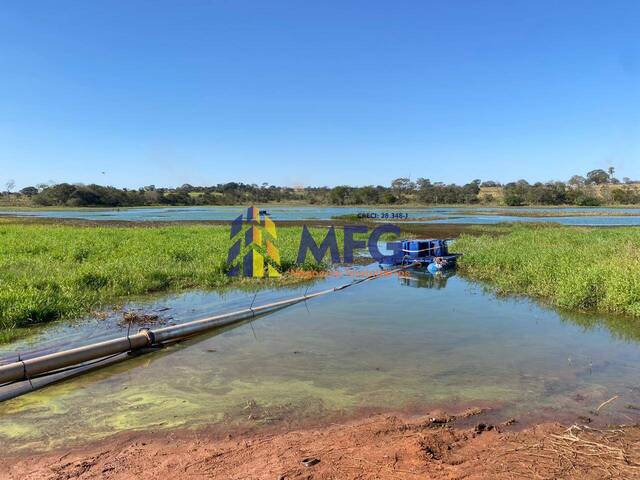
(49,272)
(588,269)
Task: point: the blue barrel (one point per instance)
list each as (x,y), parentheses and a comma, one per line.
(433,268)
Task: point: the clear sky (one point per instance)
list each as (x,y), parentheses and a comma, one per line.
(317,93)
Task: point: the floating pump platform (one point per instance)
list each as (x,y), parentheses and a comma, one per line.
(432,254)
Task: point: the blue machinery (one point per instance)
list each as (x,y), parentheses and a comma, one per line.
(432,254)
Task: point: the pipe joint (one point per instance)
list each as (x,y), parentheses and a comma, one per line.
(151,337)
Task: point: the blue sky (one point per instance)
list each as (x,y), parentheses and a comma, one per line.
(317,93)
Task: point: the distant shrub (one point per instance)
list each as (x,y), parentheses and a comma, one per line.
(587,201)
(513,200)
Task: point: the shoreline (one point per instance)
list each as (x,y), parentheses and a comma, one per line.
(408,206)
(454,231)
(431,444)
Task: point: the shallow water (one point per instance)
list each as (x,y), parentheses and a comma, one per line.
(422,215)
(392,343)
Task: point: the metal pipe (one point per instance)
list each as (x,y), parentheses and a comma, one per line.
(30,368)
(197,326)
(26,369)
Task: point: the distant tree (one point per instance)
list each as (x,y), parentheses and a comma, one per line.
(422,183)
(340,195)
(471,190)
(401,186)
(178,198)
(439,193)
(367,195)
(576,190)
(625,196)
(597,177)
(151,197)
(515,193)
(490,183)
(11,184)
(577,181)
(29,191)
(587,201)
(513,200)
(389,198)
(611,171)
(487,198)
(55,194)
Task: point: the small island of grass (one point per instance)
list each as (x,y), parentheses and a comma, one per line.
(589,269)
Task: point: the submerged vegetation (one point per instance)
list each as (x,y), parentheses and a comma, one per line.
(589,269)
(49,272)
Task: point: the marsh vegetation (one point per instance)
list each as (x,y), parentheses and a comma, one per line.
(48,272)
(589,269)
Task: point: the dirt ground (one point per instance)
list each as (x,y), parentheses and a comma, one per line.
(434,446)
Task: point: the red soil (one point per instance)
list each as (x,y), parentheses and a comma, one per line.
(436,446)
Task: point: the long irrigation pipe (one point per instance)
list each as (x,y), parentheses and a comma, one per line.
(54,363)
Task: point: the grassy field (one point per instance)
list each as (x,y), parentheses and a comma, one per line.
(48,272)
(590,269)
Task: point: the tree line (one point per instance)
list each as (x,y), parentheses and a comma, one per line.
(597,187)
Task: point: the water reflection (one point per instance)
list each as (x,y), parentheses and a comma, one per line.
(624,328)
(419,279)
(621,327)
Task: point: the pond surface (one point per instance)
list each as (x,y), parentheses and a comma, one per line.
(393,343)
(480,215)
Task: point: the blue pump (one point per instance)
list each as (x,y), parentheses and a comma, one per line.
(433,254)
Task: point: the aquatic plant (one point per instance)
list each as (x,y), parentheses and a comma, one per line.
(589,269)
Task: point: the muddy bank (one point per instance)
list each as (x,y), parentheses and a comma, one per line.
(432,446)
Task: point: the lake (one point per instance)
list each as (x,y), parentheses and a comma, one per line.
(399,343)
(601,216)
